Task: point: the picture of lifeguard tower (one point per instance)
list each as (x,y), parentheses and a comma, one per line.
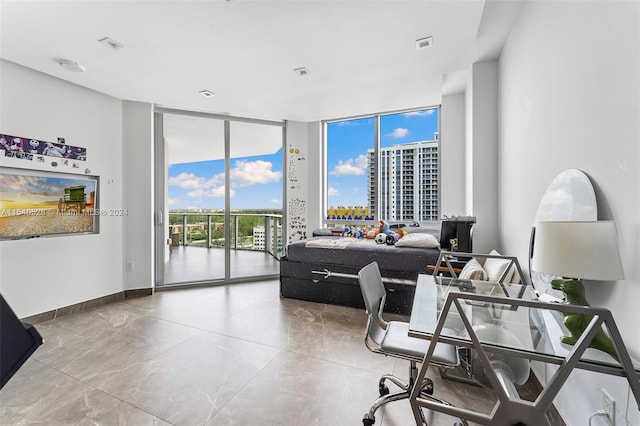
(74,198)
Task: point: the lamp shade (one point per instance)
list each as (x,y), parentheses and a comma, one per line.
(583,250)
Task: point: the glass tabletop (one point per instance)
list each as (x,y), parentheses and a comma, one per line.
(502,316)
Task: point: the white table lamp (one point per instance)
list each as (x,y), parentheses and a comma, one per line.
(578,250)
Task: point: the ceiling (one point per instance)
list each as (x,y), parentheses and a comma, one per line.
(361,55)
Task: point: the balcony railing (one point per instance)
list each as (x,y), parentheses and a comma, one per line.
(207,230)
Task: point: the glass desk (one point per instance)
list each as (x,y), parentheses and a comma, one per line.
(503,327)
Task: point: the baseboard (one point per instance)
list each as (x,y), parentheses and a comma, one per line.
(138,292)
(87,305)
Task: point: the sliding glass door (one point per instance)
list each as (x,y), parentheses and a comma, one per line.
(256,198)
(218,198)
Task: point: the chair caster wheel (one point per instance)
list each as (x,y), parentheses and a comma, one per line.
(384,390)
(366,421)
(427,387)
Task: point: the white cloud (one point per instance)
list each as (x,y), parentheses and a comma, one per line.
(399,133)
(423,113)
(353,166)
(187,181)
(333,191)
(215,192)
(243,174)
(173,201)
(247,173)
(276,201)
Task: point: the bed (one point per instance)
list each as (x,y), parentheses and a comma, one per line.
(399,266)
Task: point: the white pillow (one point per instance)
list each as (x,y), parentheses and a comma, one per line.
(473,270)
(495,268)
(515,279)
(418,240)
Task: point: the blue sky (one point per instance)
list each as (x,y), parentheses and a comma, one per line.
(256,183)
(348,142)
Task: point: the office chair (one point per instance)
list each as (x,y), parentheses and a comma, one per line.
(392,339)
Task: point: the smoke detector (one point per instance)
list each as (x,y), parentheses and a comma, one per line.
(206,93)
(70,65)
(423,43)
(302,71)
(111,43)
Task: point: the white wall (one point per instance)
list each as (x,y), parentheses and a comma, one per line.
(481,103)
(315,169)
(42,274)
(570,98)
(452,155)
(137,164)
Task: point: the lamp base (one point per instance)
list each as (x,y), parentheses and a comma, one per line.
(577,323)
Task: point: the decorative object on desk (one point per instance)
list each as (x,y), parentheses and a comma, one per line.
(579,250)
(577,323)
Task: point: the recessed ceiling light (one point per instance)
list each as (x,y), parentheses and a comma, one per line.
(70,65)
(302,71)
(111,43)
(206,93)
(423,43)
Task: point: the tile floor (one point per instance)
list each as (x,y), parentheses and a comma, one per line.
(227,355)
(193,264)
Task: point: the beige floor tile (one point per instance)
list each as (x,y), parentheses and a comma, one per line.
(220,355)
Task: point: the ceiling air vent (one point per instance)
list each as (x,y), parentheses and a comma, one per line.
(111,43)
(423,43)
(70,65)
(302,71)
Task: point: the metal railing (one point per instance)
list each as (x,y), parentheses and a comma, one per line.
(207,230)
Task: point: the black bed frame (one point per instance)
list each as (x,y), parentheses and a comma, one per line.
(297,281)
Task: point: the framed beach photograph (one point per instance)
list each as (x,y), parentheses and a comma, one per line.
(35,203)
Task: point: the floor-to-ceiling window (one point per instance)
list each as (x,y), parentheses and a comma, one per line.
(219,198)
(383,166)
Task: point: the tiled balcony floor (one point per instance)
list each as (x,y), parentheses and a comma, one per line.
(189,264)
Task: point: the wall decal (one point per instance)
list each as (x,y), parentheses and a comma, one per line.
(17,144)
(297,205)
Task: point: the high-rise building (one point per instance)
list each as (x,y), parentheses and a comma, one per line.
(259,238)
(408,182)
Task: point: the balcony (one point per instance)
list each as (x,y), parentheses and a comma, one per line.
(197,255)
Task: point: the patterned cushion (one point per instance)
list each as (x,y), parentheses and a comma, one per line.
(473,270)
